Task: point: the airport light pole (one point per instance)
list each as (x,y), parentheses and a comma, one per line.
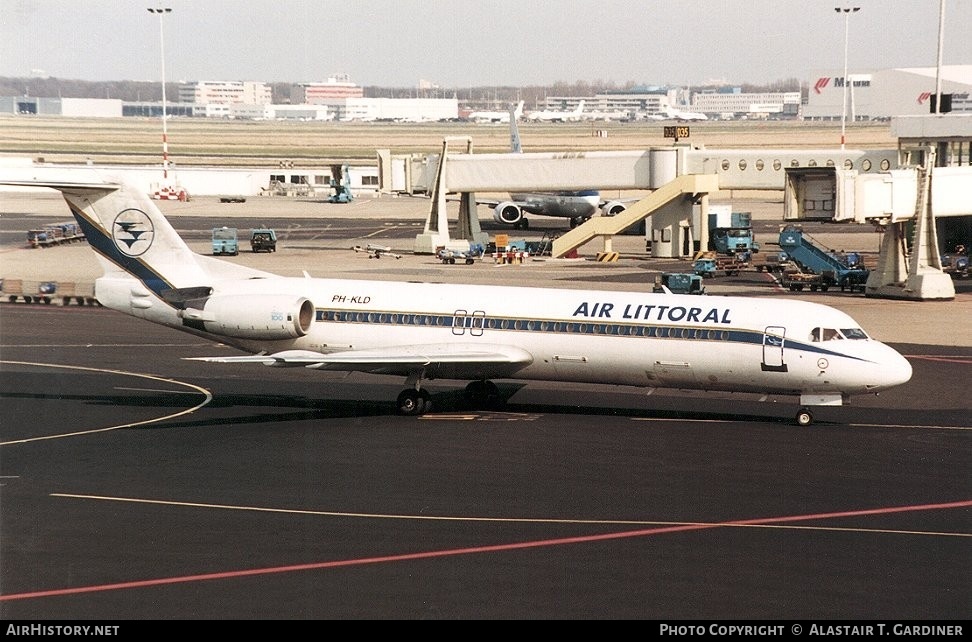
(161,11)
(843,118)
(938,69)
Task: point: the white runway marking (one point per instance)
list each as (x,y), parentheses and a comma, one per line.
(197,389)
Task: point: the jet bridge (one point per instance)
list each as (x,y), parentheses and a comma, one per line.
(861,186)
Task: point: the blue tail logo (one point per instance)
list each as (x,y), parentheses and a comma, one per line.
(133,232)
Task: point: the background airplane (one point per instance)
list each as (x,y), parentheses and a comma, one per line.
(576,206)
(497,116)
(553,116)
(424,331)
(673,113)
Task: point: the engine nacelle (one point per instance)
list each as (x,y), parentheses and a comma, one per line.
(613,208)
(507,213)
(253,316)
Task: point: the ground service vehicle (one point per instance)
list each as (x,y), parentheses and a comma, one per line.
(730,232)
(468,257)
(796,281)
(341,184)
(263,240)
(956,264)
(836,268)
(55,234)
(777,262)
(708,266)
(225,241)
(678,283)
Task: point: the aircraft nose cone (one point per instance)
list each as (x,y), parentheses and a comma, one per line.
(896,369)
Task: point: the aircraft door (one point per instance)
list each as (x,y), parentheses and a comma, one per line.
(773,341)
(463,322)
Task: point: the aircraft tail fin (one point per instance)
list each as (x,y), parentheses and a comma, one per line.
(518,112)
(515,146)
(128,232)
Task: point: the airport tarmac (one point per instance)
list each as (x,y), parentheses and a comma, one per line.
(141,486)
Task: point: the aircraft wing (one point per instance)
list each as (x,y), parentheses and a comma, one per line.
(439,360)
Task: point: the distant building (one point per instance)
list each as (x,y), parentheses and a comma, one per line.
(318,93)
(223,92)
(886,93)
(72,107)
(401,109)
(735,104)
(638,101)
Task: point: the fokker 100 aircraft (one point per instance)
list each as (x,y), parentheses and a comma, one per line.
(425,331)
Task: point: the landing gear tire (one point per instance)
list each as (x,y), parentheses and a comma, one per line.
(482,394)
(413,403)
(804,417)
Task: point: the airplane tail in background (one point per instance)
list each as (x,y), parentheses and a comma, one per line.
(518,112)
(579,109)
(515,146)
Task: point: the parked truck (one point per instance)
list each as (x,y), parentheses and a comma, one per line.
(840,269)
(263,239)
(731,233)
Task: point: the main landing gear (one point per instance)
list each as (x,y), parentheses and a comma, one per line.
(415,401)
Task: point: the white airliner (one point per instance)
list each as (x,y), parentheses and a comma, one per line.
(554,116)
(576,206)
(424,331)
(497,116)
(672,113)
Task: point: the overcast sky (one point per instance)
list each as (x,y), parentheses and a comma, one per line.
(468,43)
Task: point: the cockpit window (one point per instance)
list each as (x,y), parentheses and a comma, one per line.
(824,334)
(832,334)
(853,333)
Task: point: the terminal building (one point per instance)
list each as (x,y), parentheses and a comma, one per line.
(731,103)
(225,92)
